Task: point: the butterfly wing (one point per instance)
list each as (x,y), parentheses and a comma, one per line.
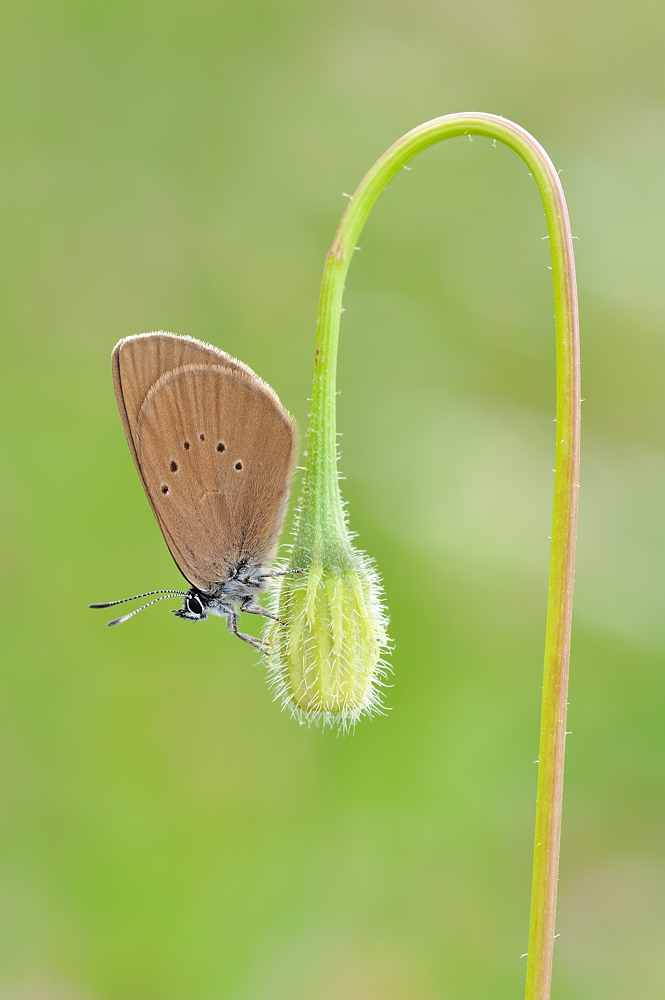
(215,450)
(139,361)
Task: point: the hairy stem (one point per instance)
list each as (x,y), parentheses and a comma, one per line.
(322,525)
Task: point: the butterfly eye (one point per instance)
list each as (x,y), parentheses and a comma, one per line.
(194,606)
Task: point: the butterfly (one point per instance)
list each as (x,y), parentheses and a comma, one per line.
(215,451)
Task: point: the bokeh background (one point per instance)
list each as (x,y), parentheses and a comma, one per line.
(166,833)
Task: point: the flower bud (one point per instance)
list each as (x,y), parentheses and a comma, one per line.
(325,655)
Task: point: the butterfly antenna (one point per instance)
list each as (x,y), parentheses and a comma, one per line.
(119,621)
(139,597)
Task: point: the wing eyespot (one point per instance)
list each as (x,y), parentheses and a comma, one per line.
(238,466)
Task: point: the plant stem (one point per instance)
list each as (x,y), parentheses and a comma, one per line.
(322,519)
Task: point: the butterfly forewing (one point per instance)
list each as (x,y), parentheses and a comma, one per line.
(215,450)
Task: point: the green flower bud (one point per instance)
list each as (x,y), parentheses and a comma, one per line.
(325,655)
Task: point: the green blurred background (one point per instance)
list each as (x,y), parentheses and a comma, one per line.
(166,833)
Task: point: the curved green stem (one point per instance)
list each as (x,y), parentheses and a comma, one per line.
(322,526)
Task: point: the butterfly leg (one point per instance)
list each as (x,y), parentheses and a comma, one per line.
(256,609)
(232,625)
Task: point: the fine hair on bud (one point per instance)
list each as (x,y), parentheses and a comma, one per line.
(325,659)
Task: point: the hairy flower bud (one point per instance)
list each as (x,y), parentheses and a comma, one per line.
(325,656)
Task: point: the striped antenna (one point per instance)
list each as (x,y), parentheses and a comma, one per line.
(119,621)
(139,597)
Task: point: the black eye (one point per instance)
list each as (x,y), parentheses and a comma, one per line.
(194,606)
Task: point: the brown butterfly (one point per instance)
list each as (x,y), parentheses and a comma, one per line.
(215,450)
